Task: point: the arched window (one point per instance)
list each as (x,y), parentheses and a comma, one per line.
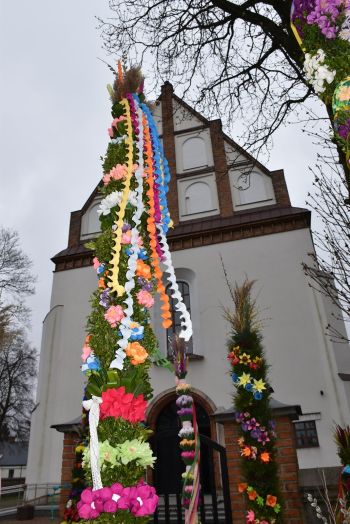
(175,328)
(194,154)
(198,198)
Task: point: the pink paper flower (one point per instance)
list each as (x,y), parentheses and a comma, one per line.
(145,298)
(250,516)
(96,262)
(143,500)
(117,120)
(86,352)
(126,237)
(89,506)
(114,315)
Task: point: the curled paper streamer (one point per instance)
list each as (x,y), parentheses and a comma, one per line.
(186,323)
(114,270)
(135,249)
(152,230)
(161,169)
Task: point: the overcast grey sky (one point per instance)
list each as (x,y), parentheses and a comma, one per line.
(54,119)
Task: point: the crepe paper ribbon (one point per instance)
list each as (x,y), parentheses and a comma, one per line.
(152,230)
(113,276)
(161,169)
(191,514)
(186,323)
(93,407)
(125,325)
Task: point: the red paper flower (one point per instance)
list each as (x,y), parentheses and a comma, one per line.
(116,403)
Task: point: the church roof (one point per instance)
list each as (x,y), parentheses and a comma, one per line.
(228,223)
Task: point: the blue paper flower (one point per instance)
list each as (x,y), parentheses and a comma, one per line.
(235,377)
(249,387)
(258,395)
(101,269)
(92,364)
(142,254)
(136,332)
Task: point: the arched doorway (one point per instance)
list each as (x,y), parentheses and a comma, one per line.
(169,465)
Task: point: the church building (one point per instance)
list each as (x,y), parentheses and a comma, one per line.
(228,210)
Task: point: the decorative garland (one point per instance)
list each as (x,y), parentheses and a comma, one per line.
(120,346)
(257,435)
(189,435)
(322,28)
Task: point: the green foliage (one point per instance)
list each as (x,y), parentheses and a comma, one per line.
(122,517)
(337,53)
(247,356)
(103,338)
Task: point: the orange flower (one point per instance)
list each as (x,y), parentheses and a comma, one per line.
(240,441)
(242,487)
(137,352)
(252,494)
(101,283)
(246,451)
(271,500)
(344,93)
(265,457)
(143,270)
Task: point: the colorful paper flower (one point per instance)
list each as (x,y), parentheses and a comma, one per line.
(135,450)
(116,173)
(136,331)
(145,298)
(265,457)
(114,315)
(143,270)
(86,349)
(242,487)
(271,501)
(92,363)
(250,516)
(117,403)
(252,494)
(259,385)
(244,358)
(244,379)
(137,353)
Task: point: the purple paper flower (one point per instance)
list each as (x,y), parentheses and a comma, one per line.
(105,298)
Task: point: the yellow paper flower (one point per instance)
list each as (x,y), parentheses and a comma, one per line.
(259,385)
(244,358)
(244,379)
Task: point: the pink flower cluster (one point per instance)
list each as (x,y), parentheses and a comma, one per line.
(140,500)
(145,298)
(114,315)
(325,14)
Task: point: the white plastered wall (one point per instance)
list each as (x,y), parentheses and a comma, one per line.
(302,359)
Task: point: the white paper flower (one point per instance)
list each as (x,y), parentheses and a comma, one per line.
(114,199)
(316,72)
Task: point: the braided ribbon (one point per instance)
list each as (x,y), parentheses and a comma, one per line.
(93,407)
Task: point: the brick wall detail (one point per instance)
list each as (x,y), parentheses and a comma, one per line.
(280,188)
(169,148)
(221,169)
(74,228)
(70,441)
(288,470)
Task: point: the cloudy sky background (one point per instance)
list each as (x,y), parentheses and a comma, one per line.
(53,128)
